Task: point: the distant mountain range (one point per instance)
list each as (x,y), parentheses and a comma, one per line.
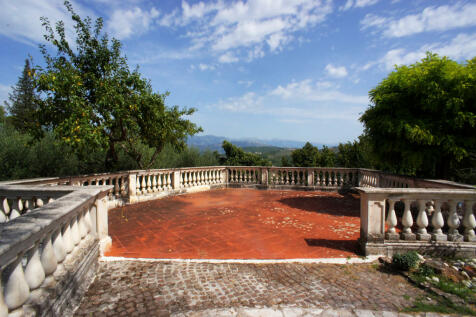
(213,142)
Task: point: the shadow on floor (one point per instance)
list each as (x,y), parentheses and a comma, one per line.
(341,206)
(344,245)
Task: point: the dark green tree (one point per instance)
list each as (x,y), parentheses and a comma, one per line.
(422,119)
(235,156)
(307,156)
(355,154)
(91,99)
(327,157)
(22,101)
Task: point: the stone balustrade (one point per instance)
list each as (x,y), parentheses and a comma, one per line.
(50,253)
(244,175)
(395,219)
(13,204)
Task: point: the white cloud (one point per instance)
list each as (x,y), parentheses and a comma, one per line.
(246,83)
(246,30)
(442,18)
(125,23)
(307,90)
(204,67)
(335,71)
(462,46)
(228,57)
(21,19)
(297,101)
(357,4)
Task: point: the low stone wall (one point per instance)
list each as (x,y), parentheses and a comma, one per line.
(428,220)
(49,254)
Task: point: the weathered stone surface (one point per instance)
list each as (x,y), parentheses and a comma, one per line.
(164,288)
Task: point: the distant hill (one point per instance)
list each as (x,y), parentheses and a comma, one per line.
(213,142)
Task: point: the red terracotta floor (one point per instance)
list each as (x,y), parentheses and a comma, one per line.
(238,224)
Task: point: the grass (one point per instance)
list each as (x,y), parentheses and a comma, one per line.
(438,304)
(442,304)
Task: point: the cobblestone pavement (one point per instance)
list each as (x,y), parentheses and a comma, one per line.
(140,288)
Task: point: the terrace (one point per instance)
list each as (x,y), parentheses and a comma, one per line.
(54,230)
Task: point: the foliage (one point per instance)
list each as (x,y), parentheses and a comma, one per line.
(274,154)
(22,104)
(327,157)
(405,261)
(355,154)
(23,157)
(422,120)
(236,156)
(308,156)
(92,100)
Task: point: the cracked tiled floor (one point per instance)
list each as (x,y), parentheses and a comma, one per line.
(238,224)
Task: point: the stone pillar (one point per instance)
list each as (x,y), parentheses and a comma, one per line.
(372,217)
(310,177)
(264,176)
(132,188)
(101,224)
(176,180)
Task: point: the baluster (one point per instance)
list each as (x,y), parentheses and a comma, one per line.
(407,221)
(453,223)
(48,260)
(292,179)
(148,181)
(59,247)
(201,177)
(154,183)
(159,182)
(341,179)
(4,210)
(169,181)
(144,185)
(334,179)
(422,221)
(469,221)
(3,306)
(16,287)
(391,221)
(138,182)
(68,238)
(438,222)
(34,273)
(185,182)
(82,226)
(75,231)
(318,178)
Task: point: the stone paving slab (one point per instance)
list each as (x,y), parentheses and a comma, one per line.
(138,288)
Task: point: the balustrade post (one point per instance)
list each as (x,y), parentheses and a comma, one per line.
(101,225)
(176,180)
(422,221)
(264,176)
(438,222)
(453,223)
(372,217)
(68,239)
(132,188)
(154,183)
(391,221)
(407,221)
(469,221)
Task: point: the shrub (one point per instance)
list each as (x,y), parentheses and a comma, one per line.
(405,261)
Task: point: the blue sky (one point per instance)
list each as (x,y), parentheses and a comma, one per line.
(288,69)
